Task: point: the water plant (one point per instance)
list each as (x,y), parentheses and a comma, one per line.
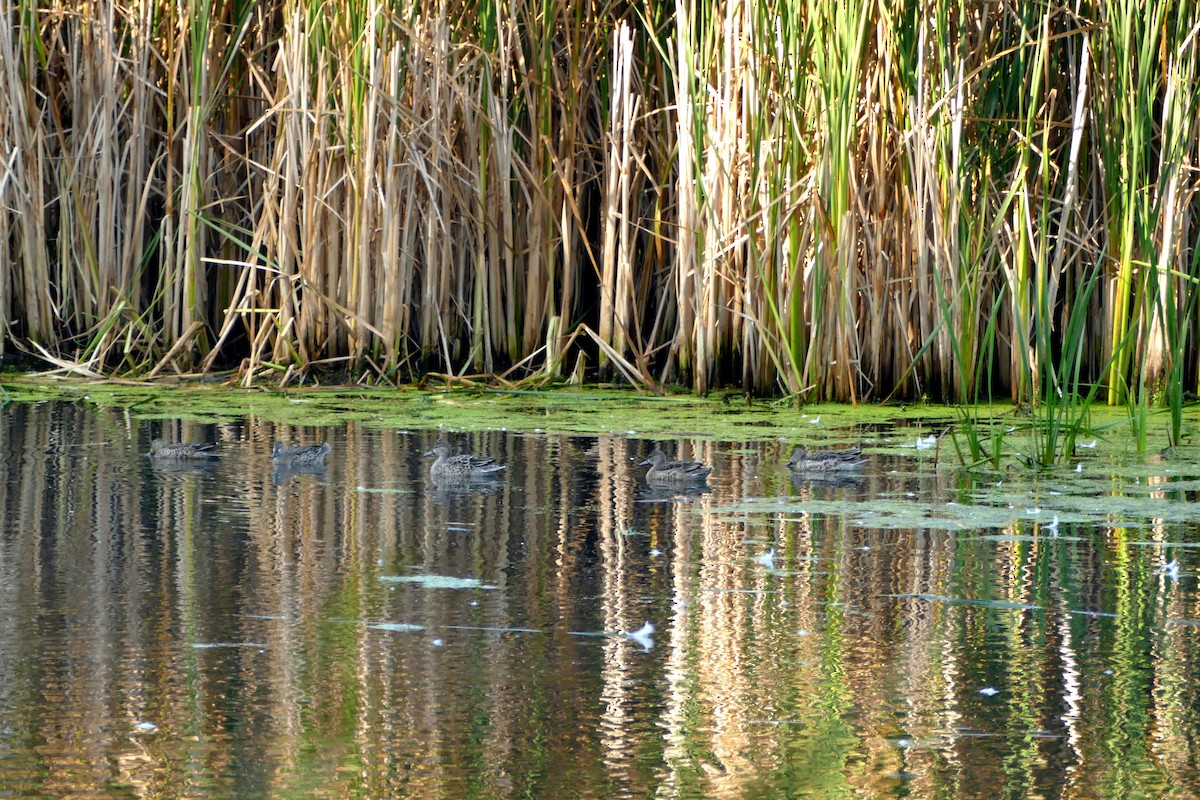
(834,201)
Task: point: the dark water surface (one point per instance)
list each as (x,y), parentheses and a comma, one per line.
(228,631)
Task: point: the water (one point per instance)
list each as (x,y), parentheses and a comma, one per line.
(227,631)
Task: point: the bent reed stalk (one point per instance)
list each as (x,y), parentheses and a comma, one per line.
(835,200)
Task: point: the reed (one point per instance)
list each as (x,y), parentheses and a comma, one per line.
(847,200)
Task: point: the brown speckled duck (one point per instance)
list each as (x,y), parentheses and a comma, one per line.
(664,473)
(303,455)
(826,460)
(462,467)
(182,451)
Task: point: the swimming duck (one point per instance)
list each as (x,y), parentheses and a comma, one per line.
(301,455)
(826,460)
(180,451)
(448,467)
(666,472)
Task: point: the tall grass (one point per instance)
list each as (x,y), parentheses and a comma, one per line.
(844,200)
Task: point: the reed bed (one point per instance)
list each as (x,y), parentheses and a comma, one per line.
(834,200)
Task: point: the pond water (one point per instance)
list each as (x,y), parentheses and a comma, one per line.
(224,630)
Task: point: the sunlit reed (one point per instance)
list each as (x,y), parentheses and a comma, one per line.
(830,200)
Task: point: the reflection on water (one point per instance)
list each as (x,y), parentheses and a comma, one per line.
(230,629)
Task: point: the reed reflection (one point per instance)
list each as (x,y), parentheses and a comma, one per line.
(371,632)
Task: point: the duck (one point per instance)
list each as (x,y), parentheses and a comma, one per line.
(302,455)
(847,460)
(449,467)
(182,451)
(667,472)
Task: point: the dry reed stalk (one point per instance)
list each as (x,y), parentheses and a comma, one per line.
(27,168)
(285,193)
(503,232)
(362,296)
(616,279)
(396,266)
(496,172)
(6,235)
(682,356)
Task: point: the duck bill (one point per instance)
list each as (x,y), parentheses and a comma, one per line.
(644,463)
(429,453)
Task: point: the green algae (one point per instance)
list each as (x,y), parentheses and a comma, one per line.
(927,433)
(584,411)
(1109,495)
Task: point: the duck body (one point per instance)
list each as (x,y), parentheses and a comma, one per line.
(304,455)
(848,460)
(462,467)
(182,451)
(663,472)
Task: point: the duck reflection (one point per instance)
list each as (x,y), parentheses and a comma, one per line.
(176,466)
(445,489)
(831,480)
(284,471)
(673,494)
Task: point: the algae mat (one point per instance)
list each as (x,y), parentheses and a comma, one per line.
(728,416)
